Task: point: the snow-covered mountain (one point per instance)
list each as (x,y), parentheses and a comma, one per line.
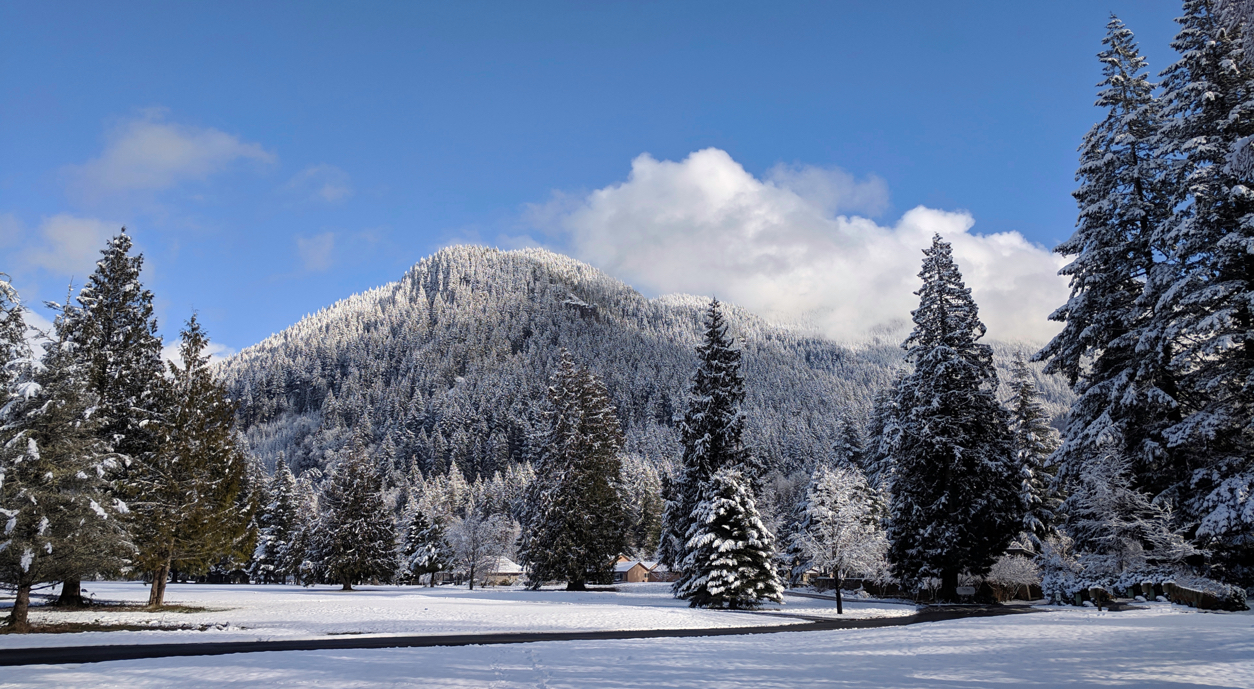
(450,363)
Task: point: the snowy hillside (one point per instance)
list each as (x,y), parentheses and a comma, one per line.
(449,364)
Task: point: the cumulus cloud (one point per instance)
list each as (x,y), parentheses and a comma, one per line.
(67,244)
(316,252)
(321,182)
(780,247)
(150,154)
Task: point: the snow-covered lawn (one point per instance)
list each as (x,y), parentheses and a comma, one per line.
(248,613)
(1163,646)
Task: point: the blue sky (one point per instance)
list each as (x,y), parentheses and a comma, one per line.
(271,158)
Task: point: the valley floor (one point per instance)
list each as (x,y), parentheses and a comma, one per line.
(1156,645)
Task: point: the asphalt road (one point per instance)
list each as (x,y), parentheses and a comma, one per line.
(98,654)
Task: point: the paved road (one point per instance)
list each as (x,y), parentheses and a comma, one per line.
(97,654)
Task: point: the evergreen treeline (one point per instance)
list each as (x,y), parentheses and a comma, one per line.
(1158,337)
(109,462)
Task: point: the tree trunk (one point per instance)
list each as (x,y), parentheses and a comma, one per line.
(156,596)
(18,619)
(949,585)
(576,585)
(71,594)
(472,577)
(840,603)
(347,585)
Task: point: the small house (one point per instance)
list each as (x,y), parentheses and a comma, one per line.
(631,571)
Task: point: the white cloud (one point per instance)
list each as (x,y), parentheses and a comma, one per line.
(321,182)
(216,352)
(316,252)
(706,226)
(150,154)
(70,245)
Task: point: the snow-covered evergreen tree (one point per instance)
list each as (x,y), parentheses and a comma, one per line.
(850,450)
(955,501)
(356,538)
(729,552)
(1109,349)
(1206,301)
(185,497)
(277,527)
(424,551)
(882,431)
(115,332)
(59,518)
(298,556)
(576,521)
(1034,443)
(711,431)
(843,533)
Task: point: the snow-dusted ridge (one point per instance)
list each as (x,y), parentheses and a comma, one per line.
(461,347)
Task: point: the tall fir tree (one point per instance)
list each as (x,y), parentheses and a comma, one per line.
(276,527)
(577,520)
(1107,349)
(711,431)
(729,552)
(1035,442)
(955,503)
(1206,301)
(59,518)
(186,497)
(115,331)
(356,538)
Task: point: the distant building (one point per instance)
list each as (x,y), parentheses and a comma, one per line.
(502,572)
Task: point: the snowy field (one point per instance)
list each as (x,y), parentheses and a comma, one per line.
(1161,646)
(250,613)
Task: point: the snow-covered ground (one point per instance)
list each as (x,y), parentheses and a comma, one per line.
(1162,646)
(249,613)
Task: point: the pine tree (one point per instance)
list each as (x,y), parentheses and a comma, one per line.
(356,539)
(424,551)
(849,450)
(576,523)
(882,430)
(1108,349)
(186,497)
(1205,301)
(842,535)
(276,527)
(59,518)
(955,503)
(711,431)
(1034,443)
(115,331)
(729,561)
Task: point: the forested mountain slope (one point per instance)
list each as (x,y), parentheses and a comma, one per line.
(450,364)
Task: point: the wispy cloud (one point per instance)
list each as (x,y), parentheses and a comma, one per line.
(148,154)
(65,244)
(321,183)
(780,246)
(316,253)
